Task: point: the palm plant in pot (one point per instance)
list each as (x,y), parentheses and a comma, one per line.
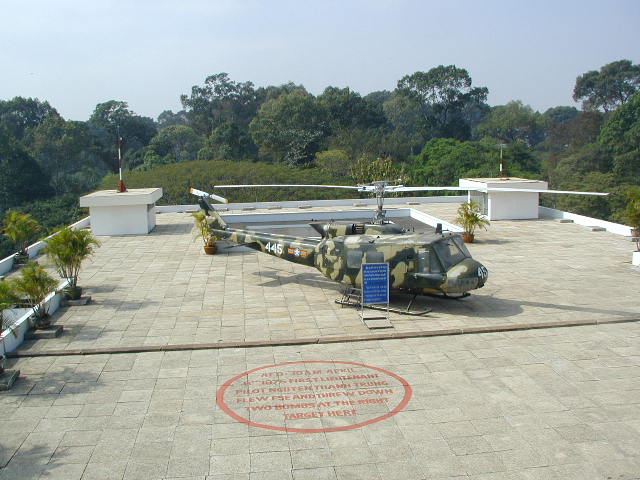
(201,229)
(22,229)
(470,218)
(632,216)
(35,284)
(8,299)
(67,249)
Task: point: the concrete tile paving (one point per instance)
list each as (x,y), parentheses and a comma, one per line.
(161,289)
(557,403)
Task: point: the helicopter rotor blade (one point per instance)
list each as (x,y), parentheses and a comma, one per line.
(435,189)
(490,189)
(289,185)
(200,193)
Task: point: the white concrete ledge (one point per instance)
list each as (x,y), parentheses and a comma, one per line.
(344,202)
(13,336)
(616,228)
(6,264)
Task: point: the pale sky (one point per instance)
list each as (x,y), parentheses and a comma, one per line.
(76,54)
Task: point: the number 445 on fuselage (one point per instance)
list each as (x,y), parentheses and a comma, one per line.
(418,263)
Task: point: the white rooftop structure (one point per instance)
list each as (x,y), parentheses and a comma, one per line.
(122,213)
(506,205)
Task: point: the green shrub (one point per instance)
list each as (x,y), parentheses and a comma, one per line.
(8,298)
(22,229)
(67,249)
(35,284)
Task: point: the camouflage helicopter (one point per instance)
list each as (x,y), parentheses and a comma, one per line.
(419,263)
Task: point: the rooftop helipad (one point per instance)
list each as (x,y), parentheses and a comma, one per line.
(161,289)
(536,403)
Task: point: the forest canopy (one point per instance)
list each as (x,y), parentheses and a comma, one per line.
(433,128)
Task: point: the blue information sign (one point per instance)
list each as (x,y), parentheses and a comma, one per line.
(375,283)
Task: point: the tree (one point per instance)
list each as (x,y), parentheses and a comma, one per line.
(512,122)
(289,128)
(21,114)
(448,98)
(347,109)
(367,169)
(64,149)
(378,97)
(334,162)
(220,100)
(607,89)
(168,118)
(559,114)
(620,134)
(228,141)
(110,117)
(179,142)
(589,205)
(574,133)
(444,160)
(631,213)
(21,178)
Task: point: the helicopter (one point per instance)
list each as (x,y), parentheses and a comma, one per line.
(419,263)
(380,225)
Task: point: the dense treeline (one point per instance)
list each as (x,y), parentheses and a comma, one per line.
(434,128)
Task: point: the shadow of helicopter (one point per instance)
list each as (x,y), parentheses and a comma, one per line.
(278,278)
(488,306)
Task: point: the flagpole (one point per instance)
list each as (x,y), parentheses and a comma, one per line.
(121,186)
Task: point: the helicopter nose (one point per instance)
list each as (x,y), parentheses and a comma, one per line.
(483,274)
(466,275)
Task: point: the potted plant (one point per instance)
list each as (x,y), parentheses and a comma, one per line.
(201,229)
(632,216)
(22,229)
(470,218)
(8,299)
(35,284)
(67,249)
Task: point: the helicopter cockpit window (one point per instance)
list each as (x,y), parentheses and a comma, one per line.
(423,260)
(449,252)
(354,258)
(460,244)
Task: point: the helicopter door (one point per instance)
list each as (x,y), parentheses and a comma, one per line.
(427,262)
(423,260)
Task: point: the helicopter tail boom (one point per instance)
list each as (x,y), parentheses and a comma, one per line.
(292,249)
(217,223)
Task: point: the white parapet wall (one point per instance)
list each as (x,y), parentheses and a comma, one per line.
(314,215)
(6,264)
(346,202)
(616,228)
(13,336)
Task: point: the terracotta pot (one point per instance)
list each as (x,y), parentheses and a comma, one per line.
(210,249)
(467,237)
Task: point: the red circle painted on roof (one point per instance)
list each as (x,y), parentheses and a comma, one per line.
(282,396)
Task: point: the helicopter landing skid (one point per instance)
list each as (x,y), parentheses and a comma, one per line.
(449,296)
(347,301)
